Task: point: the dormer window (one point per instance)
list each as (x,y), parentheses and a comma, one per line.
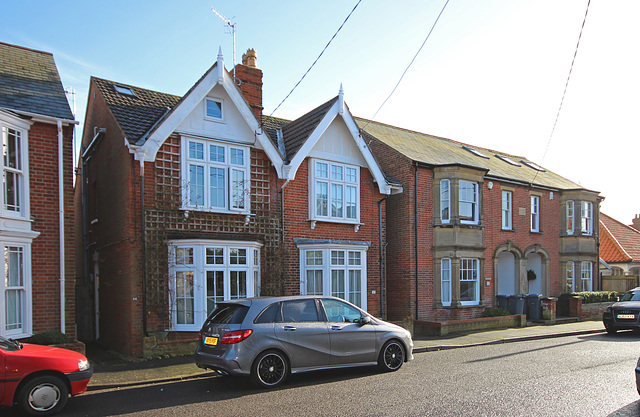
(127,91)
(213,109)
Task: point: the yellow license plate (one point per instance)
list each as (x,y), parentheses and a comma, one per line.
(626,316)
(213,341)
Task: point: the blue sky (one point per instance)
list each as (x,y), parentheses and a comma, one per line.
(492,74)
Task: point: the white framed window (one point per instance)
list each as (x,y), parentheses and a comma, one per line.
(15,290)
(445,201)
(14,171)
(215,176)
(213,109)
(586,218)
(335,191)
(535,213)
(469,281)
(569,216)
(203,273)
(445,281)
(507,210)
(570,277)
(468,202)
(335,270)
(586,281)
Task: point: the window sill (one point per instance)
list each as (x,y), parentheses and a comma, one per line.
(356,224)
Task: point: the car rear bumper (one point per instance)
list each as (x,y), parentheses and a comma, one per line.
(219,364)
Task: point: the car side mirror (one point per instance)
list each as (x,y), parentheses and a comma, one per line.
(364,320)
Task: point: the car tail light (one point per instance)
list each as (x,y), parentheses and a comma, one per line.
(235,336)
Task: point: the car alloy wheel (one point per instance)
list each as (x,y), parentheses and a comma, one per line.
(270,369)
(43,396)
(391,356)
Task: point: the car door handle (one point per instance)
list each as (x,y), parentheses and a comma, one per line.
(289,329)
(336,327)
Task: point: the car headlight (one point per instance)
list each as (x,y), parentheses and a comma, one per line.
(83,365)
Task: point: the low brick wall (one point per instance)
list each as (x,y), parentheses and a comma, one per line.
(76,346)
(154,348)
(593,311)
(443,328)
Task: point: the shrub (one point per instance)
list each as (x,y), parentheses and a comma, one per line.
(495,312)
(52,337)
(589,297)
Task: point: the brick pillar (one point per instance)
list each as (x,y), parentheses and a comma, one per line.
(249,80)
(575,307)
(549,309)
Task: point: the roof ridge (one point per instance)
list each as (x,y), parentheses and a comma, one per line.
(26,49)
(631,228)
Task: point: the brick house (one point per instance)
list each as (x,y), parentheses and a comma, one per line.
(230,208)
(474,223)
(620,246)
(37,228)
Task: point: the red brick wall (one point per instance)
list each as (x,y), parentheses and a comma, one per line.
(296,214)
(45,261)
(250,80)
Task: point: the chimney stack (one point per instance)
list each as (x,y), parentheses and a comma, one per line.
(636,222)
(249,80)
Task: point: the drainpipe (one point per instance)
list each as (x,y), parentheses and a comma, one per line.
(381,257)
(61,222)
(415,228)
(140,156)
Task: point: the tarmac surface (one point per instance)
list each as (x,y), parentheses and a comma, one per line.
(113,371)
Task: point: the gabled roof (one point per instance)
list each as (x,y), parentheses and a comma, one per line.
(135,114)
(435,151)
(297,132)
(618,242)
(30,83)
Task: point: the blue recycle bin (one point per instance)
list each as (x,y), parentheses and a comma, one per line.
(516,304)
(534,306)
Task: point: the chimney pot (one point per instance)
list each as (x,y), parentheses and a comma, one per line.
(250,58)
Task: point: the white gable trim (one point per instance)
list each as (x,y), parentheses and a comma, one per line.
(195,97)
(340,109)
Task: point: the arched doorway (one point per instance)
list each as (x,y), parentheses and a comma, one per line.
(537,270)
(506,262)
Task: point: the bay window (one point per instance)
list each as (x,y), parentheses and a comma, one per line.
(334,270)
(445,201)
(335,191)
(569,215)
(13,170)
(15,289)
(216,176)
(468,202)
(570,280)
(469,281)
(586,276)
(203,273)
(445,281)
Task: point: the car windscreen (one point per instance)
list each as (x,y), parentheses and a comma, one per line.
(228,314)
(631,296)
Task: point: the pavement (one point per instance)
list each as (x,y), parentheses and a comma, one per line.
(114,371)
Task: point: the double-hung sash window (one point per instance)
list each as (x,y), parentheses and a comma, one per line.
(586,216)
(586,276)
(13,170)
(569,215)
(535,213)
(507,210)
(445,281)
(205,273)
(468,202)
(15,289)
(469,281)
(335,271)
(335,191)
(217,176)
(570,277)
(445,201)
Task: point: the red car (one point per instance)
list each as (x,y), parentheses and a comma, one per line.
(39,378)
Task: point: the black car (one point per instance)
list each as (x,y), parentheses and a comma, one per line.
(625,314)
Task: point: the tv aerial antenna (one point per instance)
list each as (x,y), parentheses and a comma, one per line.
(230,28)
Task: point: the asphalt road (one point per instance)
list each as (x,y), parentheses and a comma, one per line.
(590,375)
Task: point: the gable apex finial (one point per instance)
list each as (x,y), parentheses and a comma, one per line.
(341,100)
(220,64)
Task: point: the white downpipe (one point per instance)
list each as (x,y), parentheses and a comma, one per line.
(61,214)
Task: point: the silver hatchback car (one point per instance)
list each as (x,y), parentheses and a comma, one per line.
(267,338)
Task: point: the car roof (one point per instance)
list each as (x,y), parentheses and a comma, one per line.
(266,300)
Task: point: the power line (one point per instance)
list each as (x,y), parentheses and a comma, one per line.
(566,85)
(408,66)
(314,62)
